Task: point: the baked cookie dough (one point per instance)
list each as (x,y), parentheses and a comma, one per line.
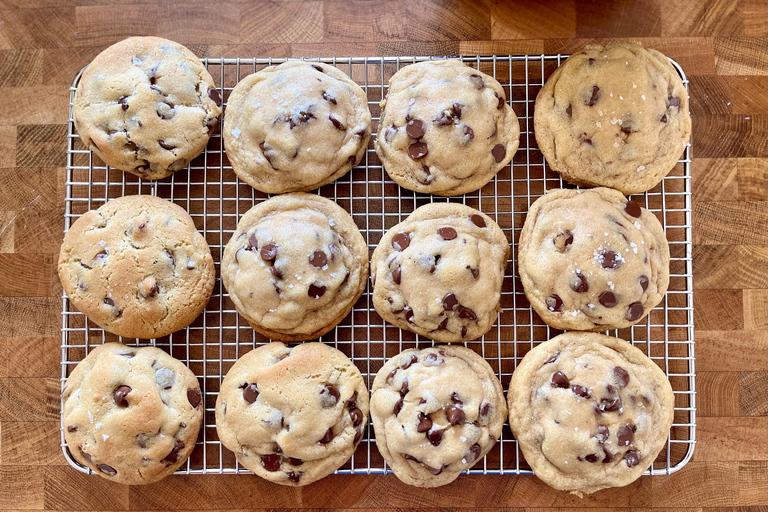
(436,412)
(590,260)
(137,267)
(445,129)
(292,415)
(589,411)
(131,415)
(295,266)
(613,116)
(439,272)
(146,105)
(296,127)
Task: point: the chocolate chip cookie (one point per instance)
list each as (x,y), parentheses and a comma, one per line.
(296,126)
(591,260)
(613,116)
(439,272)
(137,267)
(295,266)
(445,129)
(131,414)
(292,415)
(589,411)
(436,412)
(146,105)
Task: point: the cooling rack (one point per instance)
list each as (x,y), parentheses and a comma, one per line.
(210,191)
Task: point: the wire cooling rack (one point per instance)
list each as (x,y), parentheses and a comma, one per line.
(210,191)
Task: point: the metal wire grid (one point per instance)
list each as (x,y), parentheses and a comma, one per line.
(210,191)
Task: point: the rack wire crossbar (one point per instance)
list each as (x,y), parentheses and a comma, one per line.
(210,191)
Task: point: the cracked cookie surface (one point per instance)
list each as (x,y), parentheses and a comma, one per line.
(613,116)
(292,415)
(296,127)
(589,411)
(439,272)
(131,414)
(137,267)
(295,266)
(436,412)
(591,260)
(446,128)
(146,105)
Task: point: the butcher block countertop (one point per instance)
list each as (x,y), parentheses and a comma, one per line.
(721,45)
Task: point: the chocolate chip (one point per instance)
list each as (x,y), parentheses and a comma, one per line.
(268,252)
(352,401)
(610,260)
(643,282)
(174,455)
(318,67)
(328,97)
(455,398)
(608,456)
(411,458)
(425,423)
(602,434)
(404,388)
(595,96)
(316,291)
(336,122)
(632,458)
(250,393)
(409,315)
(436,471)
(590,61)
(329,396)
(499,152)
(396,275)
(626,129)
(554,303)
(293,461)
(109,302)
(428,178)
(398,407)
(457,107)
(610,404)
(625,435)
(469,133)
(478,221)
(294,476)
(401,241)
(447,233)
(569,111)
(392,375)
(194,397)
(71,428)
(276,272)
(412,359)
(356,415)
(450,302)
(463,331)
(418,150)
(445,118)
(107,470)
(581,391)
(318,259)
(473,453)
(455,415)
(435,436)
(86,456)
(327,438)
(635,311)
(271,462)
(562,240)
(124,102)
(467,313)
(674,101)
(415,129)
(608,299)
(552,358)
(632,209)
(621,375)
(215,96)
(485,409)
(500,103)
(121,394)
(477,81)
(591,458)
(475,271)
(560,380)
(664,118)
(579,283)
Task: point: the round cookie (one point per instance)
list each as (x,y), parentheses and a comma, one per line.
(439,272)
(446,128)
(436,412)
(146,105)
(292,415)
(589,411)
(295,266)
(590,260)
(130,414)
(137,267)
(296,127)
(613,116)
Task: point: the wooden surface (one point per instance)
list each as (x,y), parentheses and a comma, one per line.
(722,47)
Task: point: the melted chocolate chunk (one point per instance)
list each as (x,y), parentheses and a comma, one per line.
(643,280)
(552,358)
(635,311)
(107,470)
(595,96)
(412,359)
(579,283)
(336,122)
(581,391)
(478,221)
(632,458)
(418,150)
(560,380)
(554,303)
(396,275)
(356,415)
(477,81)
(621,375)
(329,395)
(499,152)
(455,415)
(610,404)
(602,434)
(174,455)
(608,299)
(194,397)
(294,476)
(250,393)
(475,271)
(215,96)
(632,209)
(121,395)
(398,407)
(436,471)
(268,252)
(591,458)
(425,423)
(435,436)
(447,233)
(467,313)
(625,435)
(327,438)
(271,462)
(401,241)
(318,259)
(328,97)
(608,456)
(450,302)
(415,128)
(473,453)
(409,315)
(610,260)
(316,291)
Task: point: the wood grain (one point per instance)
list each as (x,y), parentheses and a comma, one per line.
(722,46)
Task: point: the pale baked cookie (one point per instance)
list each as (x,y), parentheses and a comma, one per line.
(295,266)
(590,260)
(137,267)
(292,415)
(613,116)
(589,411)
(436,412)
(446,128)
(439,272)
(146,105)
(296,126)
(131,414)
